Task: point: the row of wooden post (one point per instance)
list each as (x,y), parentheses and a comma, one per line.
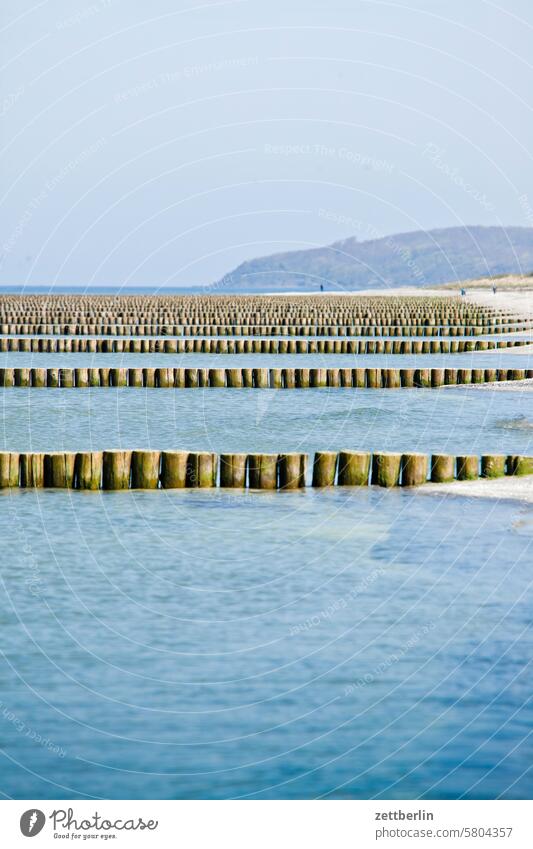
(254,378)
(148,469)
(260,329)
(56,345)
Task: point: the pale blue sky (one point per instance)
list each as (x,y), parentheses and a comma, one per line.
(164,143)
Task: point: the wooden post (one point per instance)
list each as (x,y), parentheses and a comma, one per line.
(94,377)
(38,377)
(519,465)
(59,469)
(276,378)
(149,377)
(173,469)
(414,469)
(235,380)
(261,378)
(464,376)
(116,469)
(31,470)
(145,469)
(89,469)
(318,377)
(81,376)
(373,378)
(262,471)
(359,377)
(386,469)
(442,468)
(201,469)
(422,377)
(391,378)
(8,376)
(290,378)
(493,465)
(248,378)
(467,467)
(292,470)
(136,377)
(233,470)
(9,469)
(354,468)
(217,377)
(302,378)
(407,376)
(22,377)
(437,377)
(324,467)
(346,377)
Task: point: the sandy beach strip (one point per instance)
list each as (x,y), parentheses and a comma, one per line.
(500,489)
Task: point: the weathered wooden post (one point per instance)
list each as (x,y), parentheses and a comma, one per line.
(38,377)
(217,377)
(442,468)
(261,378)
(31,470)
(88,469)
(292,470)
(262,471)
(174,469)
(302,378)
(9,469)
(493,465)
(353,468)
(276,378)
(519,465)
(59,469)
(201,469)
(94,377)
(373,378)
(145,469)
(467,467)
(22,377)
(422,378)
(414,469)
(386,469)
(81,377)
(235,379)
(136,377)
(233,470)
(324,468)
(116,469)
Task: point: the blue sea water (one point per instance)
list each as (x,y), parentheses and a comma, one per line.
(345,643)
(342,644)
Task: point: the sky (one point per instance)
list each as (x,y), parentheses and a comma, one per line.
(162,144)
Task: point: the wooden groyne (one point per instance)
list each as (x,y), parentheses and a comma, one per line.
(254,346)
(337,330)
(255,378)
(322,315)
(151,469)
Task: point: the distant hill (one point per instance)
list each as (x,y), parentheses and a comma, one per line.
(420,258)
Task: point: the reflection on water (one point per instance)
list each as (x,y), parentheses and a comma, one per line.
(344,643)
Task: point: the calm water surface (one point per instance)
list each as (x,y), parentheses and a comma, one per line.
(346,644)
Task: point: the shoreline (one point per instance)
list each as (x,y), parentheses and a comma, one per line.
(500,489)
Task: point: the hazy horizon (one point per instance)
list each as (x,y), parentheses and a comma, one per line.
(164,149)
